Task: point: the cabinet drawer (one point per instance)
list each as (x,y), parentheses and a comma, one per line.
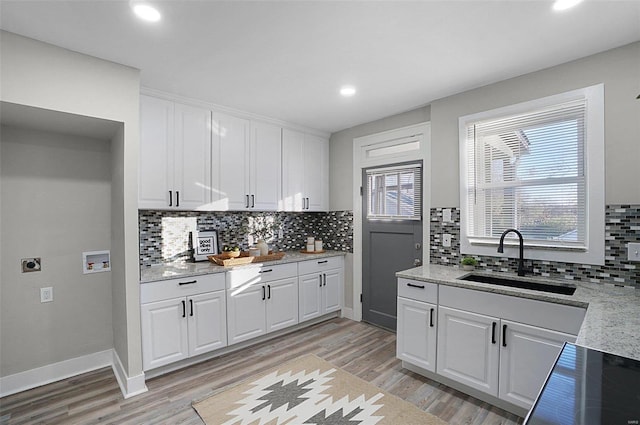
(320,264)
(184,287)
(248,275)
(418,290)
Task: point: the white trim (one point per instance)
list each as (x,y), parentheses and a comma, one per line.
(595,184)
(128,386)
(47,374)
(347,313)
(231,111)
(360,161)
(54,372)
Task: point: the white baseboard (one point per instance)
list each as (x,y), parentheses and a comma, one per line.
(130,386)
(28,379)
(347,313)
(37,377)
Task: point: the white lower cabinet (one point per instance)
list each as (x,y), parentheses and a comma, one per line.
(501,345)
(468,350)
(180,327)
(416,336)
(320,287)
(261,300)
(527,354)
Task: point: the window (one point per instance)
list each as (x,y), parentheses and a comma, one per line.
(535,167)
(394,193)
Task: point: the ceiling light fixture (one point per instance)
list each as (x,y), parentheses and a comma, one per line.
(146,12)
(347,91)
(565,4)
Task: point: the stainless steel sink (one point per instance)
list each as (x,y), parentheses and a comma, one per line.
(556,288)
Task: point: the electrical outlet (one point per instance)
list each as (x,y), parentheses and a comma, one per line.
(633,252)
(446,240)
(46,294)
(446,215)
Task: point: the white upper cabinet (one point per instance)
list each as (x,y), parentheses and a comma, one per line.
(156,152)
(194,159)
(305,172)
(247,171)
(231,147)
(175,155)
(265,171)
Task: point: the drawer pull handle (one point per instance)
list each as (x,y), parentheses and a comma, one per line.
(170,198)
(265,271)
(504,335)
(323,262)
(253,201)
(415,286)
(493,333)
(177,198)
(246,204)
(431,317)
(187,283)
(184,308)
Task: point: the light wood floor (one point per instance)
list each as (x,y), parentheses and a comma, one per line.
(358,348)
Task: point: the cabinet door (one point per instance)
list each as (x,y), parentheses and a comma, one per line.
(155,177)
(468,348)
(310,300)
(332,290)
(246,313)
(231,158)
(164,332)
(293,170)
(416,333)
(526,357)
(316,172)
(192,157)
(282,304)
(265,171)
(207,322)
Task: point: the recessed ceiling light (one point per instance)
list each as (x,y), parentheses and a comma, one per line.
(146,12)
(565,4)
(347,91)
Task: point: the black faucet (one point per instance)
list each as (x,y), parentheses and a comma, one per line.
(521,269)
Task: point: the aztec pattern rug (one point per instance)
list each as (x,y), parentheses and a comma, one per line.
(308,391)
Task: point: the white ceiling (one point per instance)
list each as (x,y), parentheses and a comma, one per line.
(287,60)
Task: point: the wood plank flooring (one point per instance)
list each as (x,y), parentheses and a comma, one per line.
(358,348)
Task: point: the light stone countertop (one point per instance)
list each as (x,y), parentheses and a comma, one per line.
(181,269)
(612,320)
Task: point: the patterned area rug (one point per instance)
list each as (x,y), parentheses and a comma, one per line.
(309,391)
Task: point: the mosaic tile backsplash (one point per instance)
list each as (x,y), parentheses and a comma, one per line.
(164,235)
(622,225)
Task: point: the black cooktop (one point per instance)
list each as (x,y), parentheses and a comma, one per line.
(589,387)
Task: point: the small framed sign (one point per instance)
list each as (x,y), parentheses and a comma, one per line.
(205,243)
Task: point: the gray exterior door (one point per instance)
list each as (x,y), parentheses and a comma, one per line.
(389,245)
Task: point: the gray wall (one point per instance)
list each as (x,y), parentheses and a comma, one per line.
(37,74)
(618,69)
(56,203)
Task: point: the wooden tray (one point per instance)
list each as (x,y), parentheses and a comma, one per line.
(244,258)
(304,251)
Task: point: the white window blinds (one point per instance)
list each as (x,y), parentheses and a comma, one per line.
(527,171)
(394,193)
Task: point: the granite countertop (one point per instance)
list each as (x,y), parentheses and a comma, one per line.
(180,269)
(612,320)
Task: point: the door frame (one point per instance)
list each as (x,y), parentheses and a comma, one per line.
(403,144)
